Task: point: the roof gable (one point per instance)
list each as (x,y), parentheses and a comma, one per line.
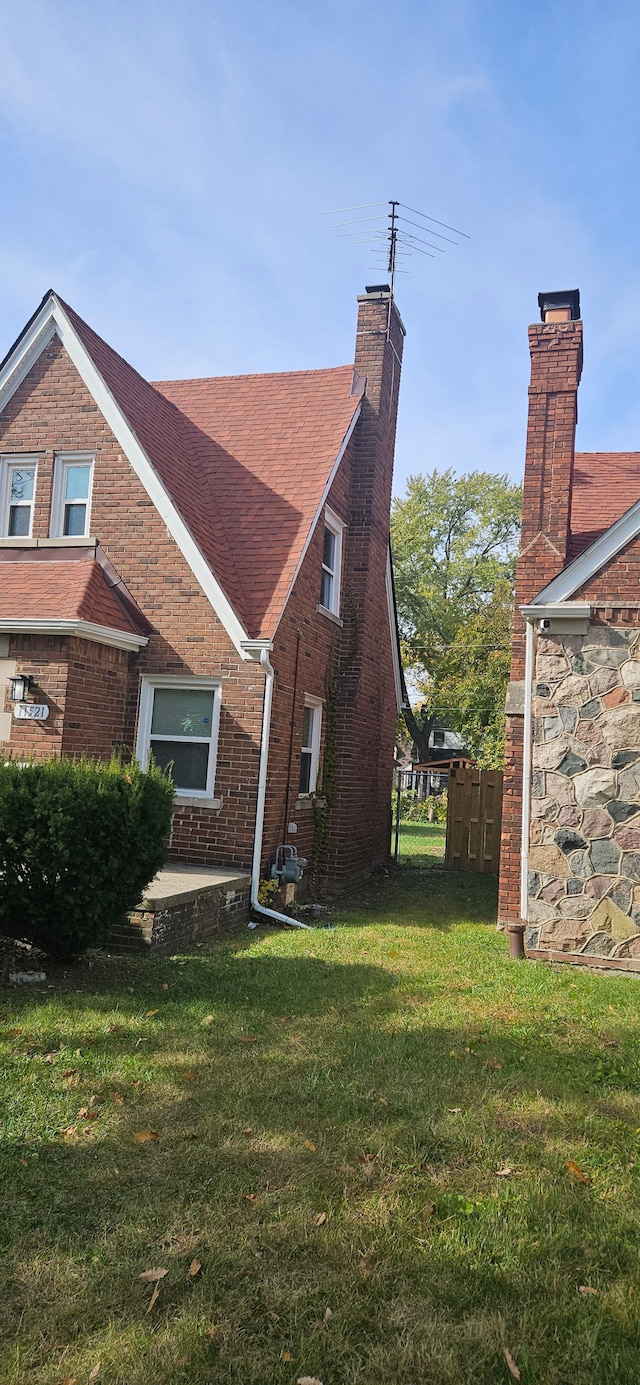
(604,482)
(238,467)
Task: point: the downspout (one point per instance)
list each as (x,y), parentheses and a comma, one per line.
(526,768)
(262,793)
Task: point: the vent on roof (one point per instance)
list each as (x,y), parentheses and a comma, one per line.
(562,306)
(377,288)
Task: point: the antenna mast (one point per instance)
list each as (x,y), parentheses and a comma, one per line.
(393,243)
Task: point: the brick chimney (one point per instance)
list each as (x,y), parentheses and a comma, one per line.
(379,342)
(556,365)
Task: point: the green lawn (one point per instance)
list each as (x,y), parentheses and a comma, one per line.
(421,844)
(363,1135)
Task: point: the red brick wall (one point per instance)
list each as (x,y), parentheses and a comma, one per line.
(556,366)
(95,690)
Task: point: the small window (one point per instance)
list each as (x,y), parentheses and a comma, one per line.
(71,497)
(17,492)
(438,738)
(310,748)
(179,727)
(331,563)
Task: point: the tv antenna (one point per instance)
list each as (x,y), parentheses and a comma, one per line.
(388,235)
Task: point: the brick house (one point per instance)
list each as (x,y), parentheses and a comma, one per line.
(570,865)
(200,568)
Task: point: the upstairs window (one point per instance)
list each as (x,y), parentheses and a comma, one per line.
(71,503)
(331,564)
(17,491)
(310,749)
(178,725)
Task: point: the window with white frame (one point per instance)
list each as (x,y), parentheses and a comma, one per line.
(310,749)
(17,494)
(71,499)
(178,725)
(331,563)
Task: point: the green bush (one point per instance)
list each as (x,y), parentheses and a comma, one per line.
(412,809)
(79,841)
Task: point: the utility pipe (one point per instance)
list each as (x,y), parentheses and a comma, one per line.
(262,793)
(517,931)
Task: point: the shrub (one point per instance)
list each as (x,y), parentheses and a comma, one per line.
(431,809)
(79,841)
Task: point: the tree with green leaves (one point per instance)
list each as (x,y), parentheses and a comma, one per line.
(455,541)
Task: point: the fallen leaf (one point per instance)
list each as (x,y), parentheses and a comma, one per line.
(308,1380)
(71,1072)
(194,1268)
(247,1038)
(576,1171)
(253,1199)
(320,1219)
(586,1289)
(191,1075)
(382,1101)
(365,1267)
(116,1096)
(152,1275)
(273,1315)
(115,1029)
(308,1144)
(83,1113)
(12,1033)
(328,1315)
(25,1162)
(165,985)
(93,1375)
(248,1130)
(454,1110)
(149,1013)
(142,1137)
(69,1130)
(513,1369)
(154,1297)
(135,1082)
(191,1135)
(427,1212)
(69,1380)
(92,1115)
(286,1356)
(495,1067)
(503,1173)
(208,1019)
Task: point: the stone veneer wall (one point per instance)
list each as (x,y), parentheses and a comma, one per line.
(584,853)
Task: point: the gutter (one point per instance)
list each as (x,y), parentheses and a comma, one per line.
(262,793)
(526,775)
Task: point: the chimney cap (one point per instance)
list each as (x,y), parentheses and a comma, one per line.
(563,298)
(377,288)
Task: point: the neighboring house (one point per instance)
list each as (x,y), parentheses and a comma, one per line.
(200,568)
(570,866)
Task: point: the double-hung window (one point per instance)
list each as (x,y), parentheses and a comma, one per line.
(71,500)
(310,749)
(178,725)
(331,563)
(17,494)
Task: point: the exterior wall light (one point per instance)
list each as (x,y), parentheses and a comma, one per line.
(20,686)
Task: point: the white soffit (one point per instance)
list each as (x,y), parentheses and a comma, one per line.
(595,557)
(52,318)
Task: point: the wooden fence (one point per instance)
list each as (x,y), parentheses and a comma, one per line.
(474,815)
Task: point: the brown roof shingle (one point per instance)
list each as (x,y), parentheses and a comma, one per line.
(605,486)
(31,590)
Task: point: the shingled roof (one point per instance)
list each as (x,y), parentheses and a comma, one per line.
(246,461)
(59,591)
(605,486)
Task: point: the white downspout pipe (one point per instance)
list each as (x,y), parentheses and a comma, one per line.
(262,793)
(526,769)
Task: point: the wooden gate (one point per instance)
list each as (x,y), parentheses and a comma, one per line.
(474,815)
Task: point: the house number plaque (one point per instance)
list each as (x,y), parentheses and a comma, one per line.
(31,711)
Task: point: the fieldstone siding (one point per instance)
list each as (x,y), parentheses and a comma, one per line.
(584,842)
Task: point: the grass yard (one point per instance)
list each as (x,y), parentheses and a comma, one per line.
(362,1136)
(421,844)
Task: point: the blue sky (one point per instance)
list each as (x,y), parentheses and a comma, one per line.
(164,165)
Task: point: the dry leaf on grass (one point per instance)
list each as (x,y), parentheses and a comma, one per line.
(71,1072)
(253,1199)
(69,1130)
(427,1212)
(328,1315)
(286,1356)
(247,1038)
(503,1173)
(365,1267)
(308,1144)
(25,1162)
(513,1369)
(586,1289)
(194,1268)
(119,1100)
(576,1171)
(320,1219)
(308,1380)
(191,1075)
(208,1019)
(142,1137)
(493,1064)
(154,1298)
(149,1013)
(69,1380)
(454,1110)
(165,985)
(152,1275)
(248,1130)
(93,1375)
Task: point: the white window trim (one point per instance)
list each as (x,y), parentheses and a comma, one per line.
(337,527)
(317,705)
(61,462)
(205,797)
(11,462)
